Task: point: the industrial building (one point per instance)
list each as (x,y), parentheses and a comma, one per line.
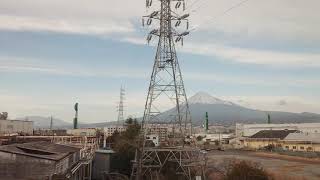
(289,140)
(8,127)
(44,160)
(247,130)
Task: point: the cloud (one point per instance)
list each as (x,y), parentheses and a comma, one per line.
(278,20)
(254,56)
(282,102)
(18,23)
(297,104)
(25,65)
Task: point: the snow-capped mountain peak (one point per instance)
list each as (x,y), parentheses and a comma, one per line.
(205,98)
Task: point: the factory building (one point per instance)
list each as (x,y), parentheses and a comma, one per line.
(266,138)
(247,130)
(44,160)
(8,127)
(289,140)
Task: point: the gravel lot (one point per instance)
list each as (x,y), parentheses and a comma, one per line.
(290,167)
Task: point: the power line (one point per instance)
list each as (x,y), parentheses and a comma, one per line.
(194,2)
(211,20)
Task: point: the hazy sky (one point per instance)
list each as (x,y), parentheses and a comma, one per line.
(53,53)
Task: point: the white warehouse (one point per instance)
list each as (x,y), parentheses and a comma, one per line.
(251,129)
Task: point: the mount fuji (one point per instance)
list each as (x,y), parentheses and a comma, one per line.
(226,112)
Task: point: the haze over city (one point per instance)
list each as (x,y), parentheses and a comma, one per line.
(262,54)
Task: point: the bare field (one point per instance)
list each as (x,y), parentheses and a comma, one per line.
(281,166)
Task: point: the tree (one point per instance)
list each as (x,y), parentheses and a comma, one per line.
(199,138)
(125,145)
(246,170)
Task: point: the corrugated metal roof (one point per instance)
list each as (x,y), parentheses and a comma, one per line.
(43,150)
(312,137)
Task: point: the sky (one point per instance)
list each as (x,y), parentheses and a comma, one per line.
(260,54)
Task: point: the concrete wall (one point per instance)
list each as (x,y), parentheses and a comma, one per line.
(261,143)
(294,146)
(82,132)
(285,145)
(14,166)
(15,126)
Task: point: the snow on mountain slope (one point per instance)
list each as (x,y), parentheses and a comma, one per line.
(205,98)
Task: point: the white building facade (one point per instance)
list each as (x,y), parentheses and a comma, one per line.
(109,130)
(247,130)
(8,127)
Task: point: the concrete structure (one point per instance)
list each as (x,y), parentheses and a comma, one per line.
(82,132)
(247,130)
(44,160)
(8,127)
(101,163)
(109,130)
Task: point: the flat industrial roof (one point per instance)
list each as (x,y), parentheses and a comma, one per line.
(42,149)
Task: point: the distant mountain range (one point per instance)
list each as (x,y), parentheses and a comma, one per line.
(225,112)
(220,112)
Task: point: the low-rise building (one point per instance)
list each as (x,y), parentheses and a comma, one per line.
(161,132)
(8,127)
(302,142)
(110,130)
(267,138)
(43,160)
(82,132)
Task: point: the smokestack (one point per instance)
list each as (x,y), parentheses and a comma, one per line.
(75,120)
(207,122)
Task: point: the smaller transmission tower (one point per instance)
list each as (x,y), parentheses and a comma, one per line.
(51,123)
(120,107)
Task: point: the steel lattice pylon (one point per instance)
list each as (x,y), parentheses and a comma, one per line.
(166,85)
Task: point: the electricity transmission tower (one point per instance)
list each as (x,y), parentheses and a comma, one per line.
(166,89)
(120,107)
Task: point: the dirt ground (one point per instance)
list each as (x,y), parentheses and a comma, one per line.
(286,167)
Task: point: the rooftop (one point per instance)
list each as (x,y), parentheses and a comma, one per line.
(273,134)
(312,137)
(42,149)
